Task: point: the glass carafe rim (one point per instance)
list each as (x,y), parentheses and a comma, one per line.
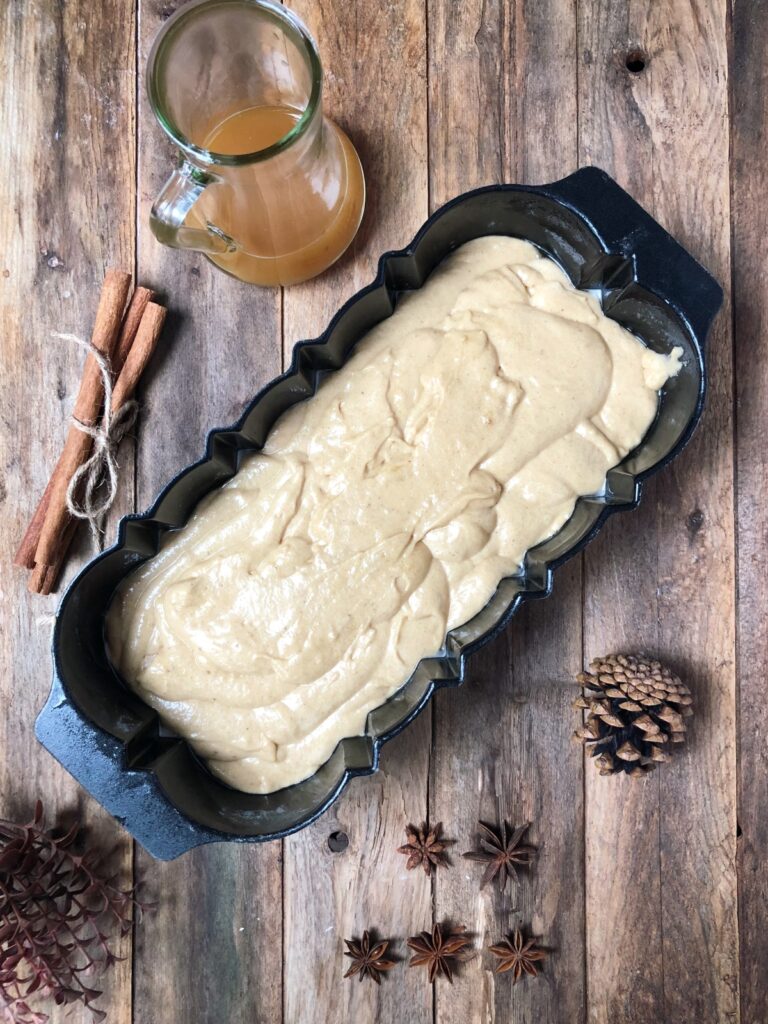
(288,20)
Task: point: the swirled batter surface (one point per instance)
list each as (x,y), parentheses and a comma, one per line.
(383,512)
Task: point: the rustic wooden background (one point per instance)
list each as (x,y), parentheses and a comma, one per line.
(653,894)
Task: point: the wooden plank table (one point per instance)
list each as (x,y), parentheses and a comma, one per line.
(652,895)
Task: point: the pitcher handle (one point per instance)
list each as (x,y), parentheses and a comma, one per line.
(177,197)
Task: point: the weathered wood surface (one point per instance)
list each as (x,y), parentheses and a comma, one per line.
(334,895)
(221,346)
(634,886)
(67,194)
(661,881)
(495,117)
(749,181)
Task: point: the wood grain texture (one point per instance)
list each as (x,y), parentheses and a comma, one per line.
(66,213)
(634,885)
(375,61)
(749,178)
(502,741)
(332,896)
(661,894)
(212,950)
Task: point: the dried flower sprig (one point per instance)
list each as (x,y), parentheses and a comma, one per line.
(58,911)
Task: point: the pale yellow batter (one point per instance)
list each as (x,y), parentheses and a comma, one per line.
(383,512)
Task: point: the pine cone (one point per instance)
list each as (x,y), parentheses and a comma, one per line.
(635,708)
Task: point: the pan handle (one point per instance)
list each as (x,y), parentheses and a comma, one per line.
(624,228)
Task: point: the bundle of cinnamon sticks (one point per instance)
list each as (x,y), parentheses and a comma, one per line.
(125,333)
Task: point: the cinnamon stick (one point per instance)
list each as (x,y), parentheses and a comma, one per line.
(131,321)
(139,355)
(45,576)
(78,445)
(114,292)
(25,555)
(37,580)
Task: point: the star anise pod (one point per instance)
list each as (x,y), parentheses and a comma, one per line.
(367,959)
(438,950)
(425,846)
(501,852)
(518,955)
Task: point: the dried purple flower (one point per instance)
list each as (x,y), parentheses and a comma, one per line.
(57,913)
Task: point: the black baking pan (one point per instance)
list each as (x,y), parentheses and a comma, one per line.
(113,743)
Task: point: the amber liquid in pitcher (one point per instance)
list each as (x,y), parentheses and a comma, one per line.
(289,225)
(251,130)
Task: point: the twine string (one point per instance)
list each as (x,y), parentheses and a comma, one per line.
(97,477)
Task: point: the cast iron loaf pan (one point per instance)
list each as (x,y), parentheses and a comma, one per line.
(111,742)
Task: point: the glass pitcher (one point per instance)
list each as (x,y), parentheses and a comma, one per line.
(269,189)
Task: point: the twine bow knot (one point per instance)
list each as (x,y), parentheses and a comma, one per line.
(99,472)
